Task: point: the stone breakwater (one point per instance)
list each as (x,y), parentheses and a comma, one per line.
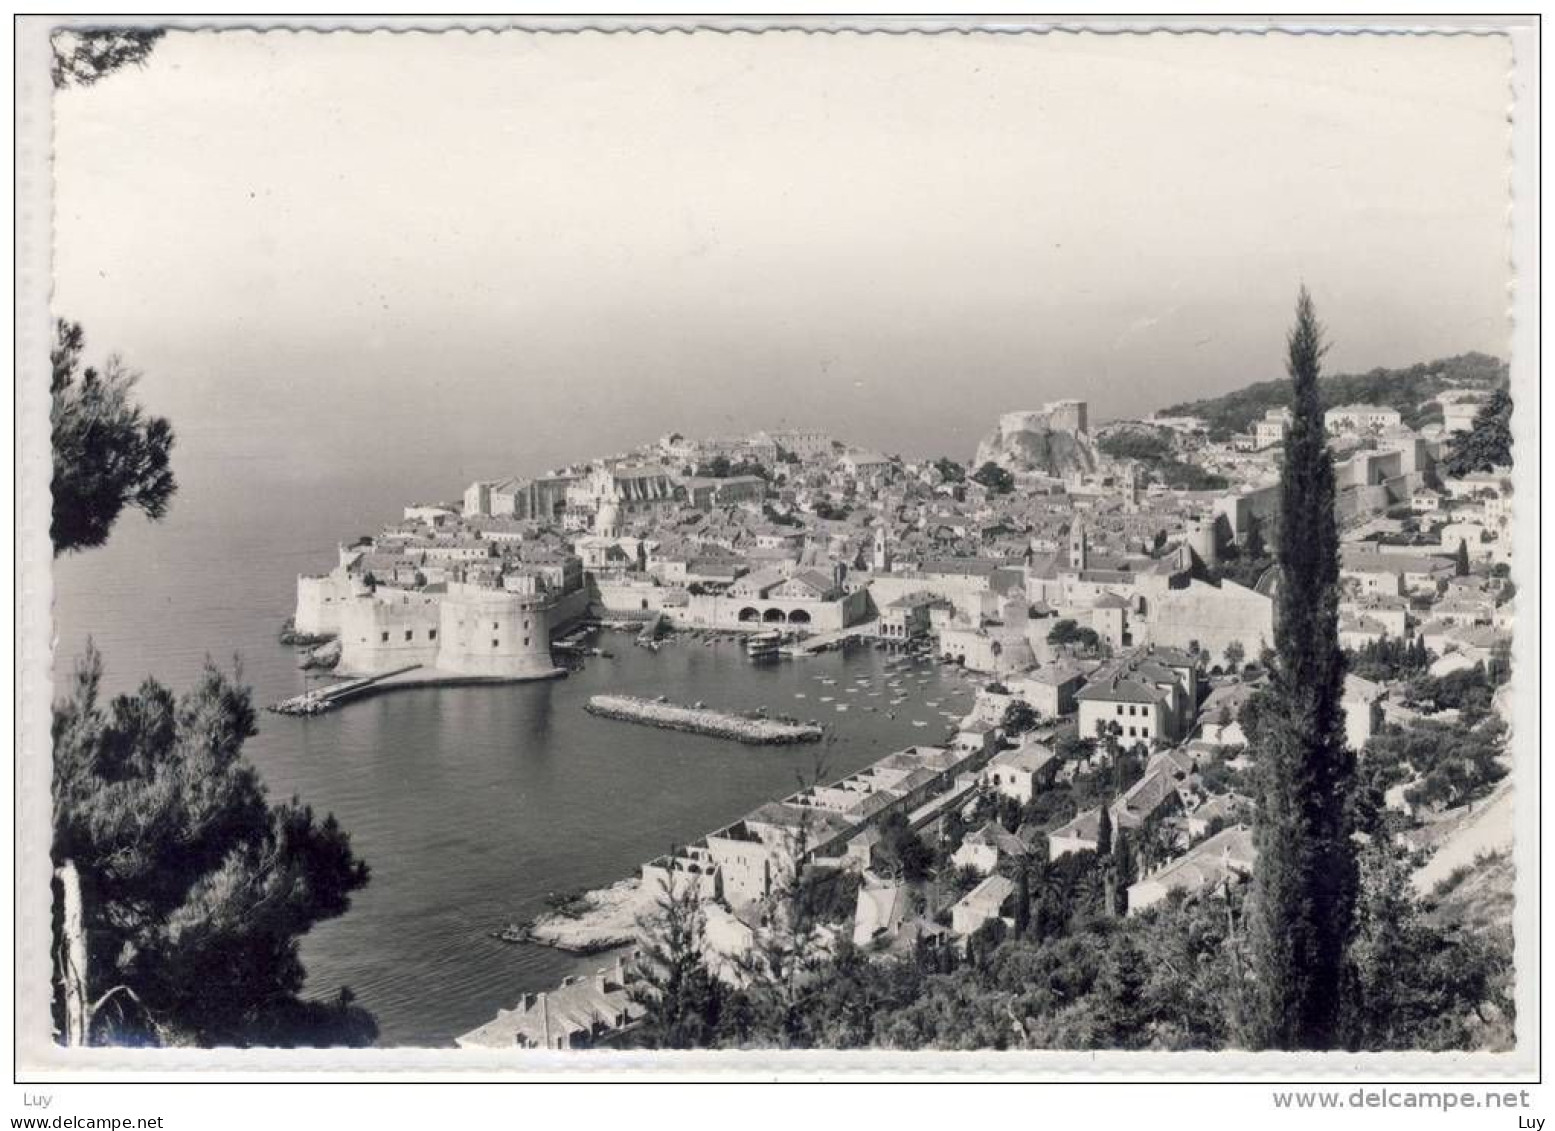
(699,720)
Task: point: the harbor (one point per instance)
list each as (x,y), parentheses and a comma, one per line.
(519,791)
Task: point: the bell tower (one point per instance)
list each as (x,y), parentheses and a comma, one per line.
(881,560)
(1078,545)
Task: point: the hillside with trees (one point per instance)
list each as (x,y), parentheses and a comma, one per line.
(1156,450)
(1407,389)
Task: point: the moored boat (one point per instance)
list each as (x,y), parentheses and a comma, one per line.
(763,646)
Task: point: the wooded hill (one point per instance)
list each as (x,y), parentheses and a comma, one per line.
(1404,389)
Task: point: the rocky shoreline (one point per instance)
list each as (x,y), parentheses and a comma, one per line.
(698,720)
(292,638)
(606,918)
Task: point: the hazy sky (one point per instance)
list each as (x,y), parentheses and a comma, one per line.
(495,252)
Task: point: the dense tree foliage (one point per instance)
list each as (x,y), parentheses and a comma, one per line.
(82,56)
(1304,879)
(1468,690)
(107,454)
(1134,443)
(1018,718)
(1104,831)
(1390,658)
(1078,978)
(824,509)
(1488,444)
(1182,475)
(722,467)
(1412,982)
(901,853)
(1066,631)
(950,471)
(1070,971)
(681,999)
(997,479)
(194,889)
(1450,763)
(1155,451)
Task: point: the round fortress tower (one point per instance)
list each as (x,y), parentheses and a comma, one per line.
(494,632)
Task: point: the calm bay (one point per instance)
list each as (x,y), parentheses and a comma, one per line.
(469,804)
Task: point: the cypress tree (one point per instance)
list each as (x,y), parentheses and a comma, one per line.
(1122,872)
(1022,901)
(1104,834)
(1254,545)
(1463,558)
(1304,881)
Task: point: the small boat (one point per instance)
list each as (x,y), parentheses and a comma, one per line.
(512,933)
(826,698)
(842,706)
(799,695)
(919,723)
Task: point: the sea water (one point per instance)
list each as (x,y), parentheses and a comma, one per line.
(469,804)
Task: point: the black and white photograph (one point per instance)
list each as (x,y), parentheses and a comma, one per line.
(591,546)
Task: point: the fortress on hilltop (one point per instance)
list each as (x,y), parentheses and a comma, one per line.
(1053,440)
(1070,416)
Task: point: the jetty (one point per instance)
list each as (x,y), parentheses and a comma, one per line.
(755,731)
(322,699)
(810,645)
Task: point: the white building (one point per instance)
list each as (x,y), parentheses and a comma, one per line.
(1362,419)
(982,904)
(1272,429)
(1021,773)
